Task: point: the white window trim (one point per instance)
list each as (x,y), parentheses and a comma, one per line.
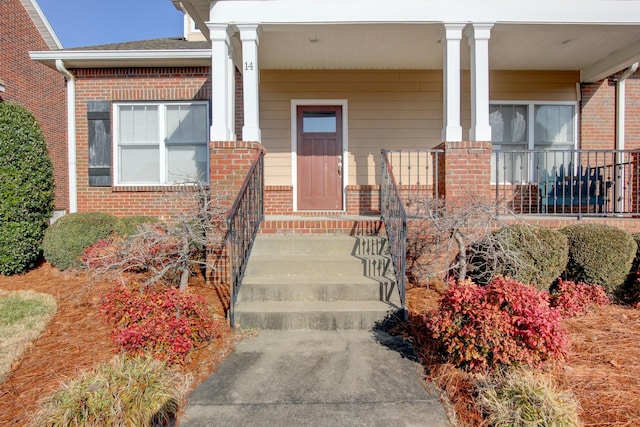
(161,140)
(531,117)
(295,103)
(531,120)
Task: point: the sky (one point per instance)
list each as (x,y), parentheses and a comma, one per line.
(80,23)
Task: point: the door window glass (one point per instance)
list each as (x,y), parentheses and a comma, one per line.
(319,121)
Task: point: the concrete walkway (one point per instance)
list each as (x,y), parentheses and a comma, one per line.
(316,378)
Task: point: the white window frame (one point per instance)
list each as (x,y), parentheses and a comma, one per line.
(162,137)
(531,126)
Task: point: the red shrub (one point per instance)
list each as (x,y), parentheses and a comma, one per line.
(504,323)
(163,321)
(574,299)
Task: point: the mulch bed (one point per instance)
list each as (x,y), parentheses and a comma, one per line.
(77,339)
(602,367)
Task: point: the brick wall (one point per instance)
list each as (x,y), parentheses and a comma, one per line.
(230,162)
(361,200)
(465,168)
(632,118)
(598,114)
(37,87)
(130,84)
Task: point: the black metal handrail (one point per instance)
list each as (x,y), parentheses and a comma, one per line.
(394,217)
(243,223)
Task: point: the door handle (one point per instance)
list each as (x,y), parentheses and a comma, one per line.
(340,166)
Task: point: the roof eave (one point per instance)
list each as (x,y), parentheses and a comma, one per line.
(119,58)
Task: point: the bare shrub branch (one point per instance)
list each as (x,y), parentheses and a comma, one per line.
(450,237)
(170,252)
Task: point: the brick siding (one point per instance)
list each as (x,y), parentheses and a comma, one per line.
(130,84)
(361,200)
(37,87)
(598,114)
(465,168)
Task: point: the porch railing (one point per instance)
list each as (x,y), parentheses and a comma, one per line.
(394,218)
(568,182)
(243,222)
(417,175)
(408,179)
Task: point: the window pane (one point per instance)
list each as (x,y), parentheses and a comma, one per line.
(554,125)
(508,124)
(321,121)
(510,164)
(187,162)
(552,163)
(138,124)
(139,164)
(186,124)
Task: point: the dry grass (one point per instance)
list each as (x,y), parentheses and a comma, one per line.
(602,368)
(24,315)
(138,391)
(77,340)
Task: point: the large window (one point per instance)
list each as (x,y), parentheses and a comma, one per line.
(161,143)
(548,129)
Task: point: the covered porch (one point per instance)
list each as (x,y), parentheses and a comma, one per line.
(402,77)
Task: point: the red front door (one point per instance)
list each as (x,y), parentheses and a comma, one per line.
(320,161)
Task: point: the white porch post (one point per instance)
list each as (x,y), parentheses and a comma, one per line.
(478,35)
(250,81)
(451,130)
(222,84)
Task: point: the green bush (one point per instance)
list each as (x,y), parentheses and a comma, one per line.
(522,398)
(599,254)
(128,225)
(26,189)
(536,255)
(65,240)
(630,292)
(137,391)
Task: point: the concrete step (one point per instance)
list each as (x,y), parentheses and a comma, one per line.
(316,282)
(311,265)
(324,244)
(357,289)
(312,315)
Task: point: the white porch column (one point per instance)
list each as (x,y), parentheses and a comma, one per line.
(478,35)
(222,84)
(250,81)
(452,34)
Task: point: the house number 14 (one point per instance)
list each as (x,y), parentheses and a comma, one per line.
(248,66)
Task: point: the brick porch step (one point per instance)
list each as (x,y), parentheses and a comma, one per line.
(355,225)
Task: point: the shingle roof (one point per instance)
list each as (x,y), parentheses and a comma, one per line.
(172,43)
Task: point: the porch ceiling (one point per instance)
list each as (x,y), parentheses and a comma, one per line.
(597,37)
(418,46)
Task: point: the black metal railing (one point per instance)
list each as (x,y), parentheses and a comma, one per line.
(417,175)
(568,182)
(394,218)
(243,222)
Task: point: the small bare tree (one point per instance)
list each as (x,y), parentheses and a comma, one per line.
(458,231)
(168,252)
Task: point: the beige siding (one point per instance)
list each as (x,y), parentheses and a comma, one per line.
(386,109)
